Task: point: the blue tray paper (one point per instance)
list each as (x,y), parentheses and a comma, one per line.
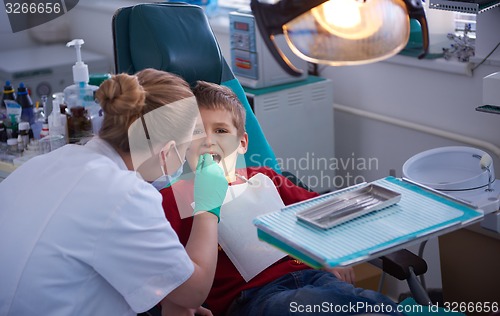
(419,213)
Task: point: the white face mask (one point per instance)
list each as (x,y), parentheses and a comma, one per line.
(166,180)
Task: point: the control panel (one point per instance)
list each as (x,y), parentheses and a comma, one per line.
(251,61)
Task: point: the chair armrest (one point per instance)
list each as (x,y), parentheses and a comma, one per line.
(398,264)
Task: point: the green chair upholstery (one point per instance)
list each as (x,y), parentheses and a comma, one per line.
(177,37)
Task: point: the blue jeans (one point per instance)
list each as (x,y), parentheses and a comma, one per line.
(310,292)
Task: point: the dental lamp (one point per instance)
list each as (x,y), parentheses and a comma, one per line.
(339,32)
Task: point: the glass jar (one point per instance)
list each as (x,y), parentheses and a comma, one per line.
(79,125)
(24,128)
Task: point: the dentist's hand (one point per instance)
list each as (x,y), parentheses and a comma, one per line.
(210,186)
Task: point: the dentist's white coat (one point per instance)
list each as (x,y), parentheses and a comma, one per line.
(82,235)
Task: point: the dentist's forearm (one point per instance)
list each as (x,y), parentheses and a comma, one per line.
(202,245)
(202,249)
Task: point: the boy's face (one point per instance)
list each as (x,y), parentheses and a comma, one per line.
(216,134)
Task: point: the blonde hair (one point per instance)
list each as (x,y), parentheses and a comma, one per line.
(212,96)
(162,100)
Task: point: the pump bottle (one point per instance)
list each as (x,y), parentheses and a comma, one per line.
(79,98)
(80,93)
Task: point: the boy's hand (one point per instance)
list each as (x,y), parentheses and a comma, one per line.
(202,311)
(169,308)
(344,274)
(210,186)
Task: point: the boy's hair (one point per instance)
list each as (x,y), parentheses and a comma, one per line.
(212,96)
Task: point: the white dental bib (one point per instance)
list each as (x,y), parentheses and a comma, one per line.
(238,234)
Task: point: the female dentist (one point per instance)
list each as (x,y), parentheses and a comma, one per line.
(82,233)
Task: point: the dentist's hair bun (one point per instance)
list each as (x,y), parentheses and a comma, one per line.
(121,95)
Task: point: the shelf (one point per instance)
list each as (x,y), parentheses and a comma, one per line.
(439,64)
(489,109)
(465,7)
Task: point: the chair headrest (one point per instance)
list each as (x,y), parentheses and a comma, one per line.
(175,37)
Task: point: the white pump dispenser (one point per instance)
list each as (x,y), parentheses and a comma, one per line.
(80,69)
(81,94)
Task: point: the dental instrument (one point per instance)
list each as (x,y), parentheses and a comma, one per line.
(485,163)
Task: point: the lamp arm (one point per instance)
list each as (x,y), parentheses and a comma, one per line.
(416,11)
(270,19)
(274,16)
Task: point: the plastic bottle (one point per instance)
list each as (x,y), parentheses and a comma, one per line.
(39,118)
(57,119)
(79,98)
(23,98)
(45,130)
(96,116)
(8,94)
(80,93)
(63,107)
(12,129)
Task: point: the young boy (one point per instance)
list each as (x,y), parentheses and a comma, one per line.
(281,284)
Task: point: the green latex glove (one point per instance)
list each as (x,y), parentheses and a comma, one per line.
(210,186)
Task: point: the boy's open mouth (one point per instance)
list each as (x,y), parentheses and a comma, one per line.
(216,157)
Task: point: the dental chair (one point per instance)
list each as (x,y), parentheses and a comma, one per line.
(177,37)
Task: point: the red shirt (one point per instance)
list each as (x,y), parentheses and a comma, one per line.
(228,282)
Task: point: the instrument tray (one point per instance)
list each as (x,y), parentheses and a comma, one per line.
(348,206)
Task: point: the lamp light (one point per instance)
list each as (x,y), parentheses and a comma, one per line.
(339,32)
(347,18)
